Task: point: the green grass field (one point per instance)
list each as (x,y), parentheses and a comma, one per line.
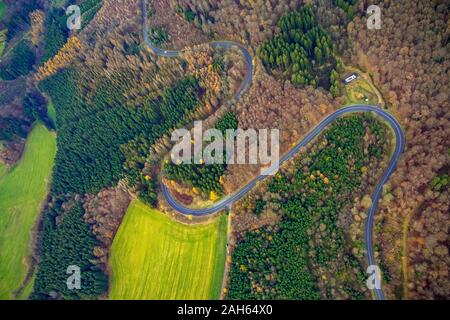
(22,192)
(153,257)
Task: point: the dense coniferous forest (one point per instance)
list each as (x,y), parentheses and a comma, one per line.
(408,61)
(55,34)
(91,131)
(19,62)
(204,177)
(288,259)
(303,52)
(228,121)
(67,241)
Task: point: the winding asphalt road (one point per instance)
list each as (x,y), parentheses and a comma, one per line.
(227,201)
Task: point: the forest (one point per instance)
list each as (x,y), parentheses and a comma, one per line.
(55,34)
(409,59)
(19,62)
(91,131)
(307,254)
(32,36)
(116,90)
(19,21)
(205,178)
(66,241)
(303,52)
(103,126)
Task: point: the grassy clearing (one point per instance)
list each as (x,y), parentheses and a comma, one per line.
(22,192)
(154,257)
(359,91)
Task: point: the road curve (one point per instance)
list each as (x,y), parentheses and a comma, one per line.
(215,44)
(227,201)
